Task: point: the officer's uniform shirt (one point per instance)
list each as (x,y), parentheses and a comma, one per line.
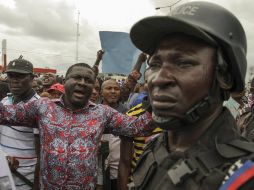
(216,151)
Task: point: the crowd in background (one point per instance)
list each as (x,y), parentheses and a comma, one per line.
(126,96)
(89,132)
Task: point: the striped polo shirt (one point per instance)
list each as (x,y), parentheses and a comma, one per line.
(18,142)
(140,142)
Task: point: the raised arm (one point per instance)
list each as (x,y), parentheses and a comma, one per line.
(141,59)
(97,62)
(132,78)
(20,114)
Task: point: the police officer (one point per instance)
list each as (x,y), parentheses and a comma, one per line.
(197,58)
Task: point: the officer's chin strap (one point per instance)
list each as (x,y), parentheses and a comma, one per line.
(198,110)
(191,116)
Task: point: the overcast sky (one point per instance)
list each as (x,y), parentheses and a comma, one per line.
(44,31)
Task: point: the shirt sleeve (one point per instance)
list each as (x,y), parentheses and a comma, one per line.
(120,124)
(23,114)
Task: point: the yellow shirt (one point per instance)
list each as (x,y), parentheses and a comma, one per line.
(140,142)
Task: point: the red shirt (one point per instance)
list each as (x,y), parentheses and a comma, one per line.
(70,139)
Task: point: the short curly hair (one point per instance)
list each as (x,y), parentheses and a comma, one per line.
(77,65)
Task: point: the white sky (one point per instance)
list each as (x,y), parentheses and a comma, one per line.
(44,32)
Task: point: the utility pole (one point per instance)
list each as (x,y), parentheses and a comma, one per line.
(4,54)
(77,39)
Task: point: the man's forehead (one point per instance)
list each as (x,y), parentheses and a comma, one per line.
(80,69)
(110,82)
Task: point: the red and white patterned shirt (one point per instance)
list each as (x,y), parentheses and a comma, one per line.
(70,139)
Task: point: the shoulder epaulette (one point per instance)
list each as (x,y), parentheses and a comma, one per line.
(235,148)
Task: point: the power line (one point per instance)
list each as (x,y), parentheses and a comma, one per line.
(49,54)
(169,6)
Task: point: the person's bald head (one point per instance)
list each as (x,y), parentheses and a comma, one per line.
(110,92)
(109,82)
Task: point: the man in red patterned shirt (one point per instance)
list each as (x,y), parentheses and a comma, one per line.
(71,129)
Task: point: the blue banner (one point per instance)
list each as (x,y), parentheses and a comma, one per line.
(120,54)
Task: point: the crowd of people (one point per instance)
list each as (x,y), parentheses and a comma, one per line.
(189,126)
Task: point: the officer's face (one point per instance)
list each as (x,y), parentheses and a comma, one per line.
(180,74)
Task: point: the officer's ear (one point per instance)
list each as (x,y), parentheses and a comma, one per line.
(223,75)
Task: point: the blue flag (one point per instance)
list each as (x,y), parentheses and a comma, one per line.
(120,54)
